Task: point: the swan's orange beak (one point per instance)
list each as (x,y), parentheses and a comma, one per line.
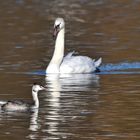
(55,32)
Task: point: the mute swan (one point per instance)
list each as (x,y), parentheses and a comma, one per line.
(19,105)
(69,63)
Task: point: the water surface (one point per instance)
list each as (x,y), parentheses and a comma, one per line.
(102,106)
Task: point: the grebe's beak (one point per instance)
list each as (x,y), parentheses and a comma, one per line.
(36,87)
(42,87)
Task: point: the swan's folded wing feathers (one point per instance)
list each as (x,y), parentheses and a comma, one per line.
(77,64)
(70,54)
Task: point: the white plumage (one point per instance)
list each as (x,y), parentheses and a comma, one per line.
(69,63)
(77,64)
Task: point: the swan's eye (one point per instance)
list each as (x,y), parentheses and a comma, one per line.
(57,26)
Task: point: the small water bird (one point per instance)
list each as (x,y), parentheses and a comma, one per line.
(19,105)
(70,63)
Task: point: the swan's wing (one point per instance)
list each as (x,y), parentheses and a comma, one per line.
(97,63)
(69,55)
(77,64)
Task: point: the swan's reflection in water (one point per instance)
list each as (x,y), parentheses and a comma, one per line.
(65,99)
(34,125)
(53,100)
(72,82)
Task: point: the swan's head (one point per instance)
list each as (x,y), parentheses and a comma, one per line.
(58,25)
(36,87)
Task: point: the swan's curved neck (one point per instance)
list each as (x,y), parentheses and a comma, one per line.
(35,99)
(58,53)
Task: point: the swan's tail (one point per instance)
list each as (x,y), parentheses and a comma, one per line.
(98,62)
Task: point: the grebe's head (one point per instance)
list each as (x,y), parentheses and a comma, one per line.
(58,25)
(36,87)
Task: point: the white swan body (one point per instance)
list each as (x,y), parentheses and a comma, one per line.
(19,105)
(69,63)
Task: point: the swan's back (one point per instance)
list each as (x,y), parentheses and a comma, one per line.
(77,64)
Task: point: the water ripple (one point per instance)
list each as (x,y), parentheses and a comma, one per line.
(120,66)
(109,68)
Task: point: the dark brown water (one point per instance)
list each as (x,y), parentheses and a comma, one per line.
(104,106)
